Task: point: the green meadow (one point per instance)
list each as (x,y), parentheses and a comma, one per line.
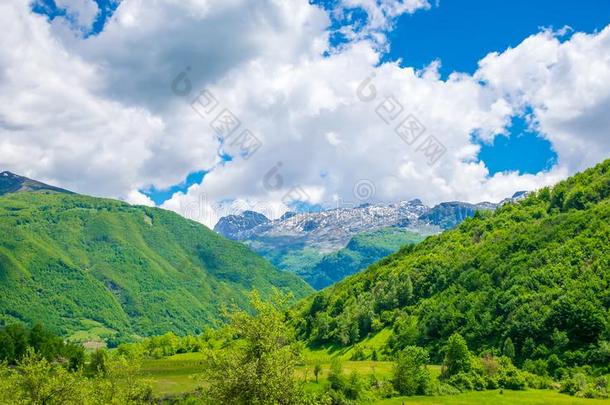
(497,397)
(181,374)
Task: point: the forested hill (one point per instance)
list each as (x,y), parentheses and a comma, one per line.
(90,268)
(536,272)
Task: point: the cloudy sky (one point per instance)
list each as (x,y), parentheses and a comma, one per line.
(208,106)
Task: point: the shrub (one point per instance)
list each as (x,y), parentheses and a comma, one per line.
(358,353)
(462,381)
(411,377)
(336,379)
(457,357)
(509,376)
(538,367)
(574,384)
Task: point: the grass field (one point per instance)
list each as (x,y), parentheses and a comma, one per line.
(529,397)
(174,375)
(179,374)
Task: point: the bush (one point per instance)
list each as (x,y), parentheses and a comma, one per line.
(336,379)
(578,385)
(538,367)
(574,384)
(411,377)
(537,382)
(462,381)
(457,357)
(509,376)
(358,353)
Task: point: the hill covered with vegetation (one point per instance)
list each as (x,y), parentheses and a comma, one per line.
(530,281)
(362,251)
(90,268)
(321,270)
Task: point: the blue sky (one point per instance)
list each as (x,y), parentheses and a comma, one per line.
(459,34)
(50,8)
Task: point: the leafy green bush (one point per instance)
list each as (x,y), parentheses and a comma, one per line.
(538,367)
(411,377)
(458,358)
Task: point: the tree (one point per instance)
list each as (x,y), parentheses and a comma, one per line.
(7,347)
(121,383)
(509,349)
(317,369)
(19,336)
(336,379)
(40,382)
(411,377)
(99,358)
(457,356)
(257,367)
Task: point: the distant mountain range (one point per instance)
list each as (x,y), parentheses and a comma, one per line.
(95,269)
(300,242)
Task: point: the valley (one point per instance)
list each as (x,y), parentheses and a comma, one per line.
(476,313)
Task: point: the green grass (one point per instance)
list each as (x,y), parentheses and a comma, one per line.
(529,397)
(174,375)
(180,374)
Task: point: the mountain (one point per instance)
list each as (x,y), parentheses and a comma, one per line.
(535,272)
(449,214)
(233,226)
(12,183)
(325,231)
(361,251)
(320,246)
(91,268)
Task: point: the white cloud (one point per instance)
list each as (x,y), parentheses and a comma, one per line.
(137,198)
(380,17)
(98,115)
(82,12)
(568,86)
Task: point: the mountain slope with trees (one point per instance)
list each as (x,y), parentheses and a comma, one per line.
(530,280)
(91,268)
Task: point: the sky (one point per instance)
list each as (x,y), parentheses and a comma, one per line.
(212,107)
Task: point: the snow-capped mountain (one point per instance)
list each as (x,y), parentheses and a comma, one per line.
(325,231)
(316,245)
(330,230)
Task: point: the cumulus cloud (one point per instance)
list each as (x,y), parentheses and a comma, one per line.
(111,114)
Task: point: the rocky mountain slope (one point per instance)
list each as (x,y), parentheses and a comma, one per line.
(12,183)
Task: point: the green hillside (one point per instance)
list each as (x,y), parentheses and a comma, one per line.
(536,272)
(321,270)
(362,251)
(89,268)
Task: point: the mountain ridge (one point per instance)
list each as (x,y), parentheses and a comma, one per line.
(100,269)
(316,245)
(13,183)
